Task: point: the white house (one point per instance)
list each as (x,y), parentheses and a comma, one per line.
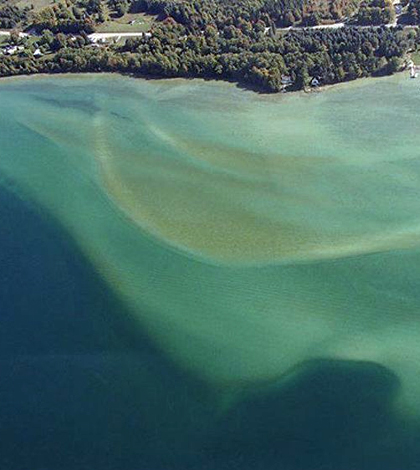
(12,50)
(315,82)
(286,80)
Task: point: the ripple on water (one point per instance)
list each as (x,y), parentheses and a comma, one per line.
(248,189)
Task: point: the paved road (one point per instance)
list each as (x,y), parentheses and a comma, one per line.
(99,36)
(103,36)
(320,26)
(94,36)
(341,25)
(7,33)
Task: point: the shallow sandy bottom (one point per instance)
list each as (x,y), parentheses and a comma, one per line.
(245,234)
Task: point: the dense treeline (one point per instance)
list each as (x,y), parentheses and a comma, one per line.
(375,12)
(330,55)
(60,18)
(234,40)
(413,12)
(11,15)
(201,13)
(120,7)
(300,12)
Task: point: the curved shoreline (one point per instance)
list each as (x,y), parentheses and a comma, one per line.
(238,85)
(350,248)
(213,320)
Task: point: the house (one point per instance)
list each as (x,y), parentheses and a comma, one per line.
(12,50)
(286,80)
(315,82)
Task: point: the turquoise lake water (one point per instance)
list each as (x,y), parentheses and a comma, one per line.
(195,276)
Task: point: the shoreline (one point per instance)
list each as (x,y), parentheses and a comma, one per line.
(316,257)
(238,85)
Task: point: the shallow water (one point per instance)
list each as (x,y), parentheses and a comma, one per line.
(250,262)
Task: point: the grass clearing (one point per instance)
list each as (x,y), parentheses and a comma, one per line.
(415,56)
(37,4)
(129,23)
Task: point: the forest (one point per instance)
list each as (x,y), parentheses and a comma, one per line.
(282,13)
(11,15)
(413,12)
(240,41)
(375,12)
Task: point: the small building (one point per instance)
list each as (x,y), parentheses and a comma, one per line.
(38,53)
(286,80)
(12,50)
(315,82)
(412,68)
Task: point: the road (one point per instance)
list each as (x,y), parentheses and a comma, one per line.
(320,26)
(341,25)
(7,33)
(95,37)
(101,36)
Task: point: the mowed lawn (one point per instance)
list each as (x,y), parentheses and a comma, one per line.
(129,23)
(415,56)
(38,4)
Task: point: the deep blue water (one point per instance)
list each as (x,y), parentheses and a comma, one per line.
(79,390)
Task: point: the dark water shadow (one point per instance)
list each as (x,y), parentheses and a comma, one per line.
(51,299)
(327,414)
(80,385)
